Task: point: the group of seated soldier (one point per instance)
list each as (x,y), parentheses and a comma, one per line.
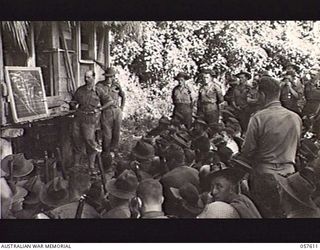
(171,172)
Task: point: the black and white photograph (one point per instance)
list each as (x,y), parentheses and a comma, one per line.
(160,119)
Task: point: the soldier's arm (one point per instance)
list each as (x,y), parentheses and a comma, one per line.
(199,101)
(236,94)
(123,97)
(294,92)
(107,105)
(299,88)
(106,99)
(74,101)
(219,94)
(190,94)
(173,95)
(252,98)
(191,99)
(251,140)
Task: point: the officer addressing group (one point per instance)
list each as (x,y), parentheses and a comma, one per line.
(86,119)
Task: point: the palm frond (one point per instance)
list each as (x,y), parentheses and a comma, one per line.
(130,28)
(19,32)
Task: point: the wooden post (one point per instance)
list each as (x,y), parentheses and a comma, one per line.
(55,58)
(68,61)
(1,57)
(31,61)
(101,45)
(107,54)
(2,113)
(75,59)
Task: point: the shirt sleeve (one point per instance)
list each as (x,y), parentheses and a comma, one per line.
(118,86)
(308,90)
(103,95)
(236,94)
(251,139)
(173,94)
(199,98)
(299,88)
(75,97)
(219,94)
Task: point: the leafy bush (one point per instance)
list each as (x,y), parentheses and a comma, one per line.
(147,67)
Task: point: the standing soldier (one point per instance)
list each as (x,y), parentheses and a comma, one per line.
(270,145)
(253,98)
(312,108)
(109,91)
(182,99)
(210,96)
(312,93)
(241,93)
(290,94)
(229,96)
(292,70)
(86,120)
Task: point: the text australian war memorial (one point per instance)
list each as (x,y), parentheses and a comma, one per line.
(166,119)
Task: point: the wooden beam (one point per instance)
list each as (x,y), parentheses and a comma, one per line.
(107,55)
(31,60)
(55,58)
(101,45)
(68,61)
(75,60)
(1,57)
(78,49)
(2,99)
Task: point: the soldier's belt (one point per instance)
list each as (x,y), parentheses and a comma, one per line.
(112,107)
(185,103)
(86,112)
(209,103)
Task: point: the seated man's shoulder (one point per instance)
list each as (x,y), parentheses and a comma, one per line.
(121,212)
(184,169)
(245,206)
(68,211)
(179,174)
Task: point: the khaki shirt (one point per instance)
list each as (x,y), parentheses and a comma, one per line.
(312,92)
(109,92)
(181,94)
(87,99)
(210,93)
(240,95)
(273,135)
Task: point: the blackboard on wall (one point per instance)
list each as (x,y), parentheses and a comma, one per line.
(26,93)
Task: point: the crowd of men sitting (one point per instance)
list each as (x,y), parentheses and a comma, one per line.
(250,153)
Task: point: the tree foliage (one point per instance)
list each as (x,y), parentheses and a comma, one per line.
(225,46)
